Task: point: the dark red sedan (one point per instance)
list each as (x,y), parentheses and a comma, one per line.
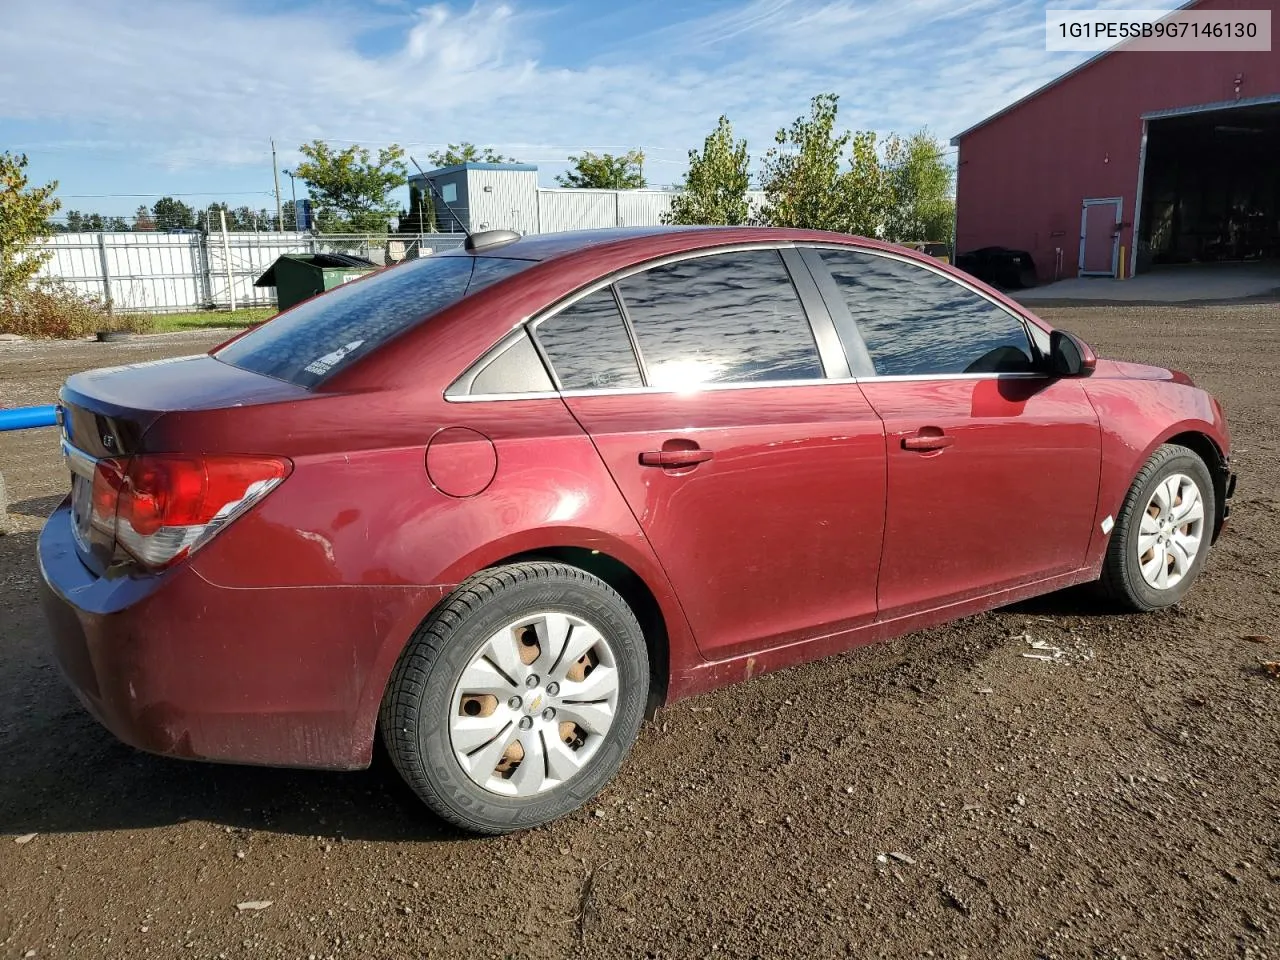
(497,502)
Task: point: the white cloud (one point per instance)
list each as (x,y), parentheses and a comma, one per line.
(205,83)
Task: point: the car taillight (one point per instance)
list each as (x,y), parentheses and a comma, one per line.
(164,506)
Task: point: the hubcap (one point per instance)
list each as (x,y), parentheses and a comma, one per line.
(1171,531)
(534,704)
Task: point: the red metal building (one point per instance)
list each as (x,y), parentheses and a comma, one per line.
(1181,150)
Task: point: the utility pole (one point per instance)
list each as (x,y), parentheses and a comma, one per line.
(226,255)
(275,173)
(293,189)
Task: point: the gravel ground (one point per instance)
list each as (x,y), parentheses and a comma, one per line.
(938,795)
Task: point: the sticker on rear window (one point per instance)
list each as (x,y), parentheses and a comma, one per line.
(330,360)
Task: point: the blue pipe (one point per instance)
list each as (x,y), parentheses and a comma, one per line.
(25,417)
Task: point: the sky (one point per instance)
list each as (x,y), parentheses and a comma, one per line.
(122,101)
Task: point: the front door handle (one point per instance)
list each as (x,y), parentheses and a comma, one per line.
(926,442)
(674,458)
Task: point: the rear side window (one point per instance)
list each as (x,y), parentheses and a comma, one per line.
(324,334)
(726,318)
(517,369)
(588,346)
(916,322)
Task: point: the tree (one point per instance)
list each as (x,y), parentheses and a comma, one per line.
(715,186)
(242,219)
(77,222)
(171,214)
(802,177)
(864,188)
(209,219)
(142,220)
(605,171)
(352,189)
(847,182)
(24,218)
(918,182)
(420,217)
(464,152)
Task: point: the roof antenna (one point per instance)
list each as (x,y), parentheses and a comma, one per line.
(456,218)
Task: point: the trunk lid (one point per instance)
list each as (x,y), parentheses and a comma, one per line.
(107,412)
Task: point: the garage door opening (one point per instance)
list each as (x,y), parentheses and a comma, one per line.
(1211,185)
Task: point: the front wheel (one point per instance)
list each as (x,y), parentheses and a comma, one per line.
(1162,536)
(518,698)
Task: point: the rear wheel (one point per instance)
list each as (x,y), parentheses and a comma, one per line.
(518,698)
(1161,538)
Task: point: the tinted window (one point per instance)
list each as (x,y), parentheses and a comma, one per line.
(915,321)
(321,335)
(726,318)
(517,369)
(588,346)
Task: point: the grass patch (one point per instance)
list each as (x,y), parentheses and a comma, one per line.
(207,319)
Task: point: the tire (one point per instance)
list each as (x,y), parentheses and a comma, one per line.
(1123,578)
(438,703)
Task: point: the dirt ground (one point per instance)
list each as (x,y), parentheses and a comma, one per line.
(941,795)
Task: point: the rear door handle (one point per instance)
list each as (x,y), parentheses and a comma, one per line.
(674,458)
(938,441)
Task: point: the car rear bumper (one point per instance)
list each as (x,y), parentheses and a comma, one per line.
(179,666)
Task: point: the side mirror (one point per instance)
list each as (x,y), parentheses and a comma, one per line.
(1069,356)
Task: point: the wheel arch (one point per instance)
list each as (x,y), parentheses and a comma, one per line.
(641,584)
(1204,446)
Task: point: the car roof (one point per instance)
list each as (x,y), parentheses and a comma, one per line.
(552,246)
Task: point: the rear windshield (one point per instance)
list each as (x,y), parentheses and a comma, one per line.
(320,336)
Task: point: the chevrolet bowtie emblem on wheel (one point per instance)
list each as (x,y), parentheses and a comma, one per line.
(535,704)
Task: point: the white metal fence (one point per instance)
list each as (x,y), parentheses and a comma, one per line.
(171,272)
(577,209)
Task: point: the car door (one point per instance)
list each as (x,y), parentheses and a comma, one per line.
(759,483)
(993,465)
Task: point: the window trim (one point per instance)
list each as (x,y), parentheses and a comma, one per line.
(829,360)
(813,259)
(455,392)
(627,330)
(822,316)
(831,352)
(460,388)
(824,382)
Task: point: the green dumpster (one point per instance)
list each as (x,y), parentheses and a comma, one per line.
(297,276)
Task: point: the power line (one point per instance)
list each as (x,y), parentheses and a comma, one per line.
(143,196)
